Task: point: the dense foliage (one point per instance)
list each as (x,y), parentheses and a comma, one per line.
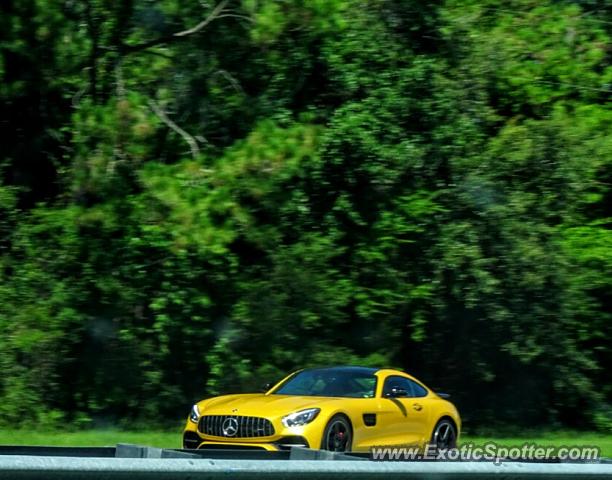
(199,197)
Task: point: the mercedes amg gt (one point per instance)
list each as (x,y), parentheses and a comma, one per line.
(335,408)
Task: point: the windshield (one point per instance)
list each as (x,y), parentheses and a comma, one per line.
(331,382)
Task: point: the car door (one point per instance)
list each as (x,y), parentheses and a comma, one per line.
(420,402)
(404,412)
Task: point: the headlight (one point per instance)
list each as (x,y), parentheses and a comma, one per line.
(300,418)
(194,415)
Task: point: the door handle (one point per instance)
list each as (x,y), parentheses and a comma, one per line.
(417,406)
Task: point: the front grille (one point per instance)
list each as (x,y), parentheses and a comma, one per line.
(235,426)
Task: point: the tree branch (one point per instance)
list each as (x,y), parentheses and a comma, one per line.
(93,30)
(191,141)
(231,80)
(214,15)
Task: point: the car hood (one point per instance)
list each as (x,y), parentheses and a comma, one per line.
(259,404)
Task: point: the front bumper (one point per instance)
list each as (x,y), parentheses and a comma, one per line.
(308,436)
(193,440)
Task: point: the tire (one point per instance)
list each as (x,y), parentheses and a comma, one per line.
(338,435)
(444,435)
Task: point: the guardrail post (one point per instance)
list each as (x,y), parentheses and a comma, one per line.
(127,450)
(301,453)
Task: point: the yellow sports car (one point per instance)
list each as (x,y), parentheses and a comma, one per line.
(335,408)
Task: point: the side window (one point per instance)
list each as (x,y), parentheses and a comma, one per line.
(402,387)
(417,390)
(395,386)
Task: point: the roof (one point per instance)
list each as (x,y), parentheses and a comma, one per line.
(348,369)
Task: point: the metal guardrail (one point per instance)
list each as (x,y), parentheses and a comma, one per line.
(128,450)
(55,468)
(135,462)
(42,451)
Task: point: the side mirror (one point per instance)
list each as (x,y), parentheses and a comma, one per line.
(397,392)
(266,387)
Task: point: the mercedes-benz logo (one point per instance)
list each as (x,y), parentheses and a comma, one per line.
(230,427)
